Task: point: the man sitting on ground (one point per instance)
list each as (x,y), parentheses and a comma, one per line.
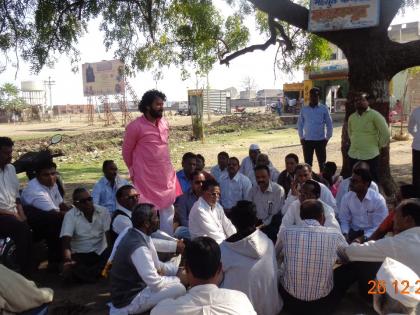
(189,164)
(13,222)
(203,272)
(262,159)
(304,173)
(85,238)
(45,210)
(234,187)
(307,282)
(404,246)
(248,164)
(127,199)
(207,217)
(399,278)
(269,200)
(221,168)
(362,209)
(249,261)
(344,187)
(287,176)
(139,280)
(103,193)
(185,202)
(310,190)
(201,163)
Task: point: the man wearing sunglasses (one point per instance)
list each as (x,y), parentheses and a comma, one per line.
(45,209)
(85,238)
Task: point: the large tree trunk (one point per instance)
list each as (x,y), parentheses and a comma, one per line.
(363,78)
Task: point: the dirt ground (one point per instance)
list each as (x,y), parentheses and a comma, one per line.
(233,138)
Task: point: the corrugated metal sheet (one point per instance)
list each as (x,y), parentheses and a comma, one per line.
(216,101)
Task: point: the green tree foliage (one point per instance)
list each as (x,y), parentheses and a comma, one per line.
(10,101)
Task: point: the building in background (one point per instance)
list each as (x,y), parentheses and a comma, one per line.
(214,101)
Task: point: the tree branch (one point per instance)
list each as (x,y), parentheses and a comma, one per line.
(403,56)
(268,43)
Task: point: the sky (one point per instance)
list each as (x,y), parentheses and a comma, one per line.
(257,65)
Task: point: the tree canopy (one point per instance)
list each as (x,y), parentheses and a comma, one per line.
(10,101)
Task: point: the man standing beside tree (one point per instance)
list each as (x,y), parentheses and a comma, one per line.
(312,122)
(368,132)
(146,154)
(414,130)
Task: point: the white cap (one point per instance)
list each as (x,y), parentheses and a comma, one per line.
(254,147)
(393,272)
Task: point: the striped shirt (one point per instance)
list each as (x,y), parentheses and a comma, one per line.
(309,252)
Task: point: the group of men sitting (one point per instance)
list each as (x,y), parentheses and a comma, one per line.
(239,228)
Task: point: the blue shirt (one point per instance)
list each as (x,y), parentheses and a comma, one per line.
(103,193)
(183,205)
(234,189)
(217,172)
(183,181)
(312,123)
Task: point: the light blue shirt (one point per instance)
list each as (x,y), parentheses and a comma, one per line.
(234,189)
(312,123)
(183,181)
(104,195)
(217,172)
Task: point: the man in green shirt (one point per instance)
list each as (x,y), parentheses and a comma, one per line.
(368,132)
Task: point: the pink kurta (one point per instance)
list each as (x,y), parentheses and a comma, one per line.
(146,154)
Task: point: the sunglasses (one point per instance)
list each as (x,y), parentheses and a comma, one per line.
(85,200)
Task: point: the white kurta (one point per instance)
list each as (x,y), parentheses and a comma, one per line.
(250,266)
(206,299)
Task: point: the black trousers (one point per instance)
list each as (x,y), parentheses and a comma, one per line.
(343,279)
(21,235)
(416,169)
(46,225)
(88,266)
(373,165)
(320,148)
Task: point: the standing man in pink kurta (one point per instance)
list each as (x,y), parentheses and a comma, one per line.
(146,153)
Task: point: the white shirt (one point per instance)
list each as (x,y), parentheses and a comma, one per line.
(207,221)
(206,299)
(247,167)
(326,197)
(292,216)
(414,128)
(344,188)
(364,215)
(121,222)
(42,197)
(250,266)
(404,247)
(86,237)
(217,172)
(268,203)
(233,190)
(148,265)
(9,188)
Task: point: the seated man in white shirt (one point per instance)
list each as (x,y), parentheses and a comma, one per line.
(103,193)
(13,222)
(45,209)
(268,197)
(248,163)
(139,280)
(234,185)
(310,190)
(362,209)
(249,261)
(344,187)
(404,246)
(207,217)
(127,199)
(302,174)
(263,159)
(309,252)
(85,238)
(221,168)
(204,272)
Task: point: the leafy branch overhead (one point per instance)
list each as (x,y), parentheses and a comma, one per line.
(151,34)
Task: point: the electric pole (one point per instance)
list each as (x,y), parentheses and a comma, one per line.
(50,83)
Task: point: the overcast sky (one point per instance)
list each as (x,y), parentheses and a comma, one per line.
(68,88)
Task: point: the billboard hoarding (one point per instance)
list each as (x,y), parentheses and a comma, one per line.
(103,78)
(334,15)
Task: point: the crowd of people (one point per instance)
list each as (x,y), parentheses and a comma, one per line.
(242,238)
